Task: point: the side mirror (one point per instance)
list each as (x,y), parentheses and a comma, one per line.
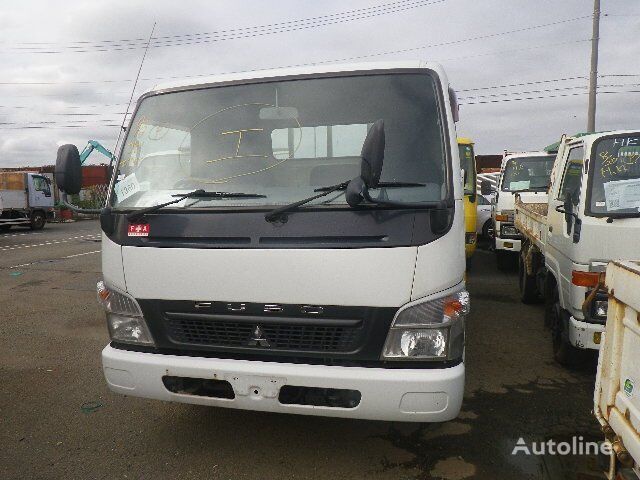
(373,155)
(486,188)
(68,172)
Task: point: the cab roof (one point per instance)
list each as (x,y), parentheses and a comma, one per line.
(298,70)
(587,138)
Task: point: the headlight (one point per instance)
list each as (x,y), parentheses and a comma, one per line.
(431,330)
(600,308)
(470,238)
(124,317)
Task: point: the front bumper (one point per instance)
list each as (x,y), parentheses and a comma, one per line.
(409,395)
(585,335)
(508,244)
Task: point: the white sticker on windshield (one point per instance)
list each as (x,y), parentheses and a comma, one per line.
(127,187)
(622,194)
(521,185)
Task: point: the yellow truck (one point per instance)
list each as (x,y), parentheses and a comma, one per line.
(468,164)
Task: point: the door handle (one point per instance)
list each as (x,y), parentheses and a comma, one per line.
(550,229)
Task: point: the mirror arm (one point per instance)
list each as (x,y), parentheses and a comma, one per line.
(75,208)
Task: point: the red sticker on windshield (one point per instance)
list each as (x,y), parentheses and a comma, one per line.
(138,230)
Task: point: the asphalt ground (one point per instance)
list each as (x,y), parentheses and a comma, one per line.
(58,420)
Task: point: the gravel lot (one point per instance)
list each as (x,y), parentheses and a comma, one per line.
(52,332)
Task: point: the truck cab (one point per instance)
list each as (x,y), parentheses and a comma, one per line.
(468,163)
(592,219)
(526,174)
(289,241)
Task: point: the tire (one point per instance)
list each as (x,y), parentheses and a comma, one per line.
(504,260)
(563,352)
(487,229)
(526,283)
(38,220)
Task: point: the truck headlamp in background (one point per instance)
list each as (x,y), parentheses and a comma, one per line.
(430,330)
(470,238)
(509,231)
(124,317)
(600,308)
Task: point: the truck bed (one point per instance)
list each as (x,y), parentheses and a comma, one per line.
(616,398)
(531,220)
(13,199)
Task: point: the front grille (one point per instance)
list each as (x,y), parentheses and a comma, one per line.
(225,333)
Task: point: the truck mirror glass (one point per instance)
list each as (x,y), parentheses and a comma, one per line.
(68,171)
(372,155)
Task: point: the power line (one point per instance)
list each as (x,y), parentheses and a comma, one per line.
(247,32)
(536,82)
(525,92)
(220,32)
(545,96)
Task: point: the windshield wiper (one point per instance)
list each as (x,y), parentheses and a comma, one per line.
(381,185)
(195,194)
(275,213)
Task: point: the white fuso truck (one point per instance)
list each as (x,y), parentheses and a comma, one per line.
(26,200)
(289,241)
(591,217)
(526,174)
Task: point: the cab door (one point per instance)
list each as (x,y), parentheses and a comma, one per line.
(39,191)
(560,239)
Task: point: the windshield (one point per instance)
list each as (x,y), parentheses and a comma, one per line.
(468,164)
(527,173)
(615,175)
(283,139)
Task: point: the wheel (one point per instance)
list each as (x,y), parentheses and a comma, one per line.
(487,229)
(526,283)
(563,352)
(38,219)
(504,260)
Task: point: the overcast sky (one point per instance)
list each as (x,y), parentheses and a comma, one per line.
(59,43)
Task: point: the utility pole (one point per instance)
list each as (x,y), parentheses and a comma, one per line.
(593,75)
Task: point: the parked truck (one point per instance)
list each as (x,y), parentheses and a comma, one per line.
(25,200)
(527,174)
(591,217)
(616,399)
(289,241)
(468,163)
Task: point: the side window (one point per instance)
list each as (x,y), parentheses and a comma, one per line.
(41,185)
(572,176)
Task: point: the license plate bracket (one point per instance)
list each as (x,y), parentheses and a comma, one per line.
(255,385)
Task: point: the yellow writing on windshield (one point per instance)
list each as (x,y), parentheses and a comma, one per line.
(613,165)
(237,153)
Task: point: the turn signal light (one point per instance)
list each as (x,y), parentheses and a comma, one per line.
(585,279)
(502,218)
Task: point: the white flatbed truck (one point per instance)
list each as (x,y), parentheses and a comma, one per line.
(26,200)
(591,217)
